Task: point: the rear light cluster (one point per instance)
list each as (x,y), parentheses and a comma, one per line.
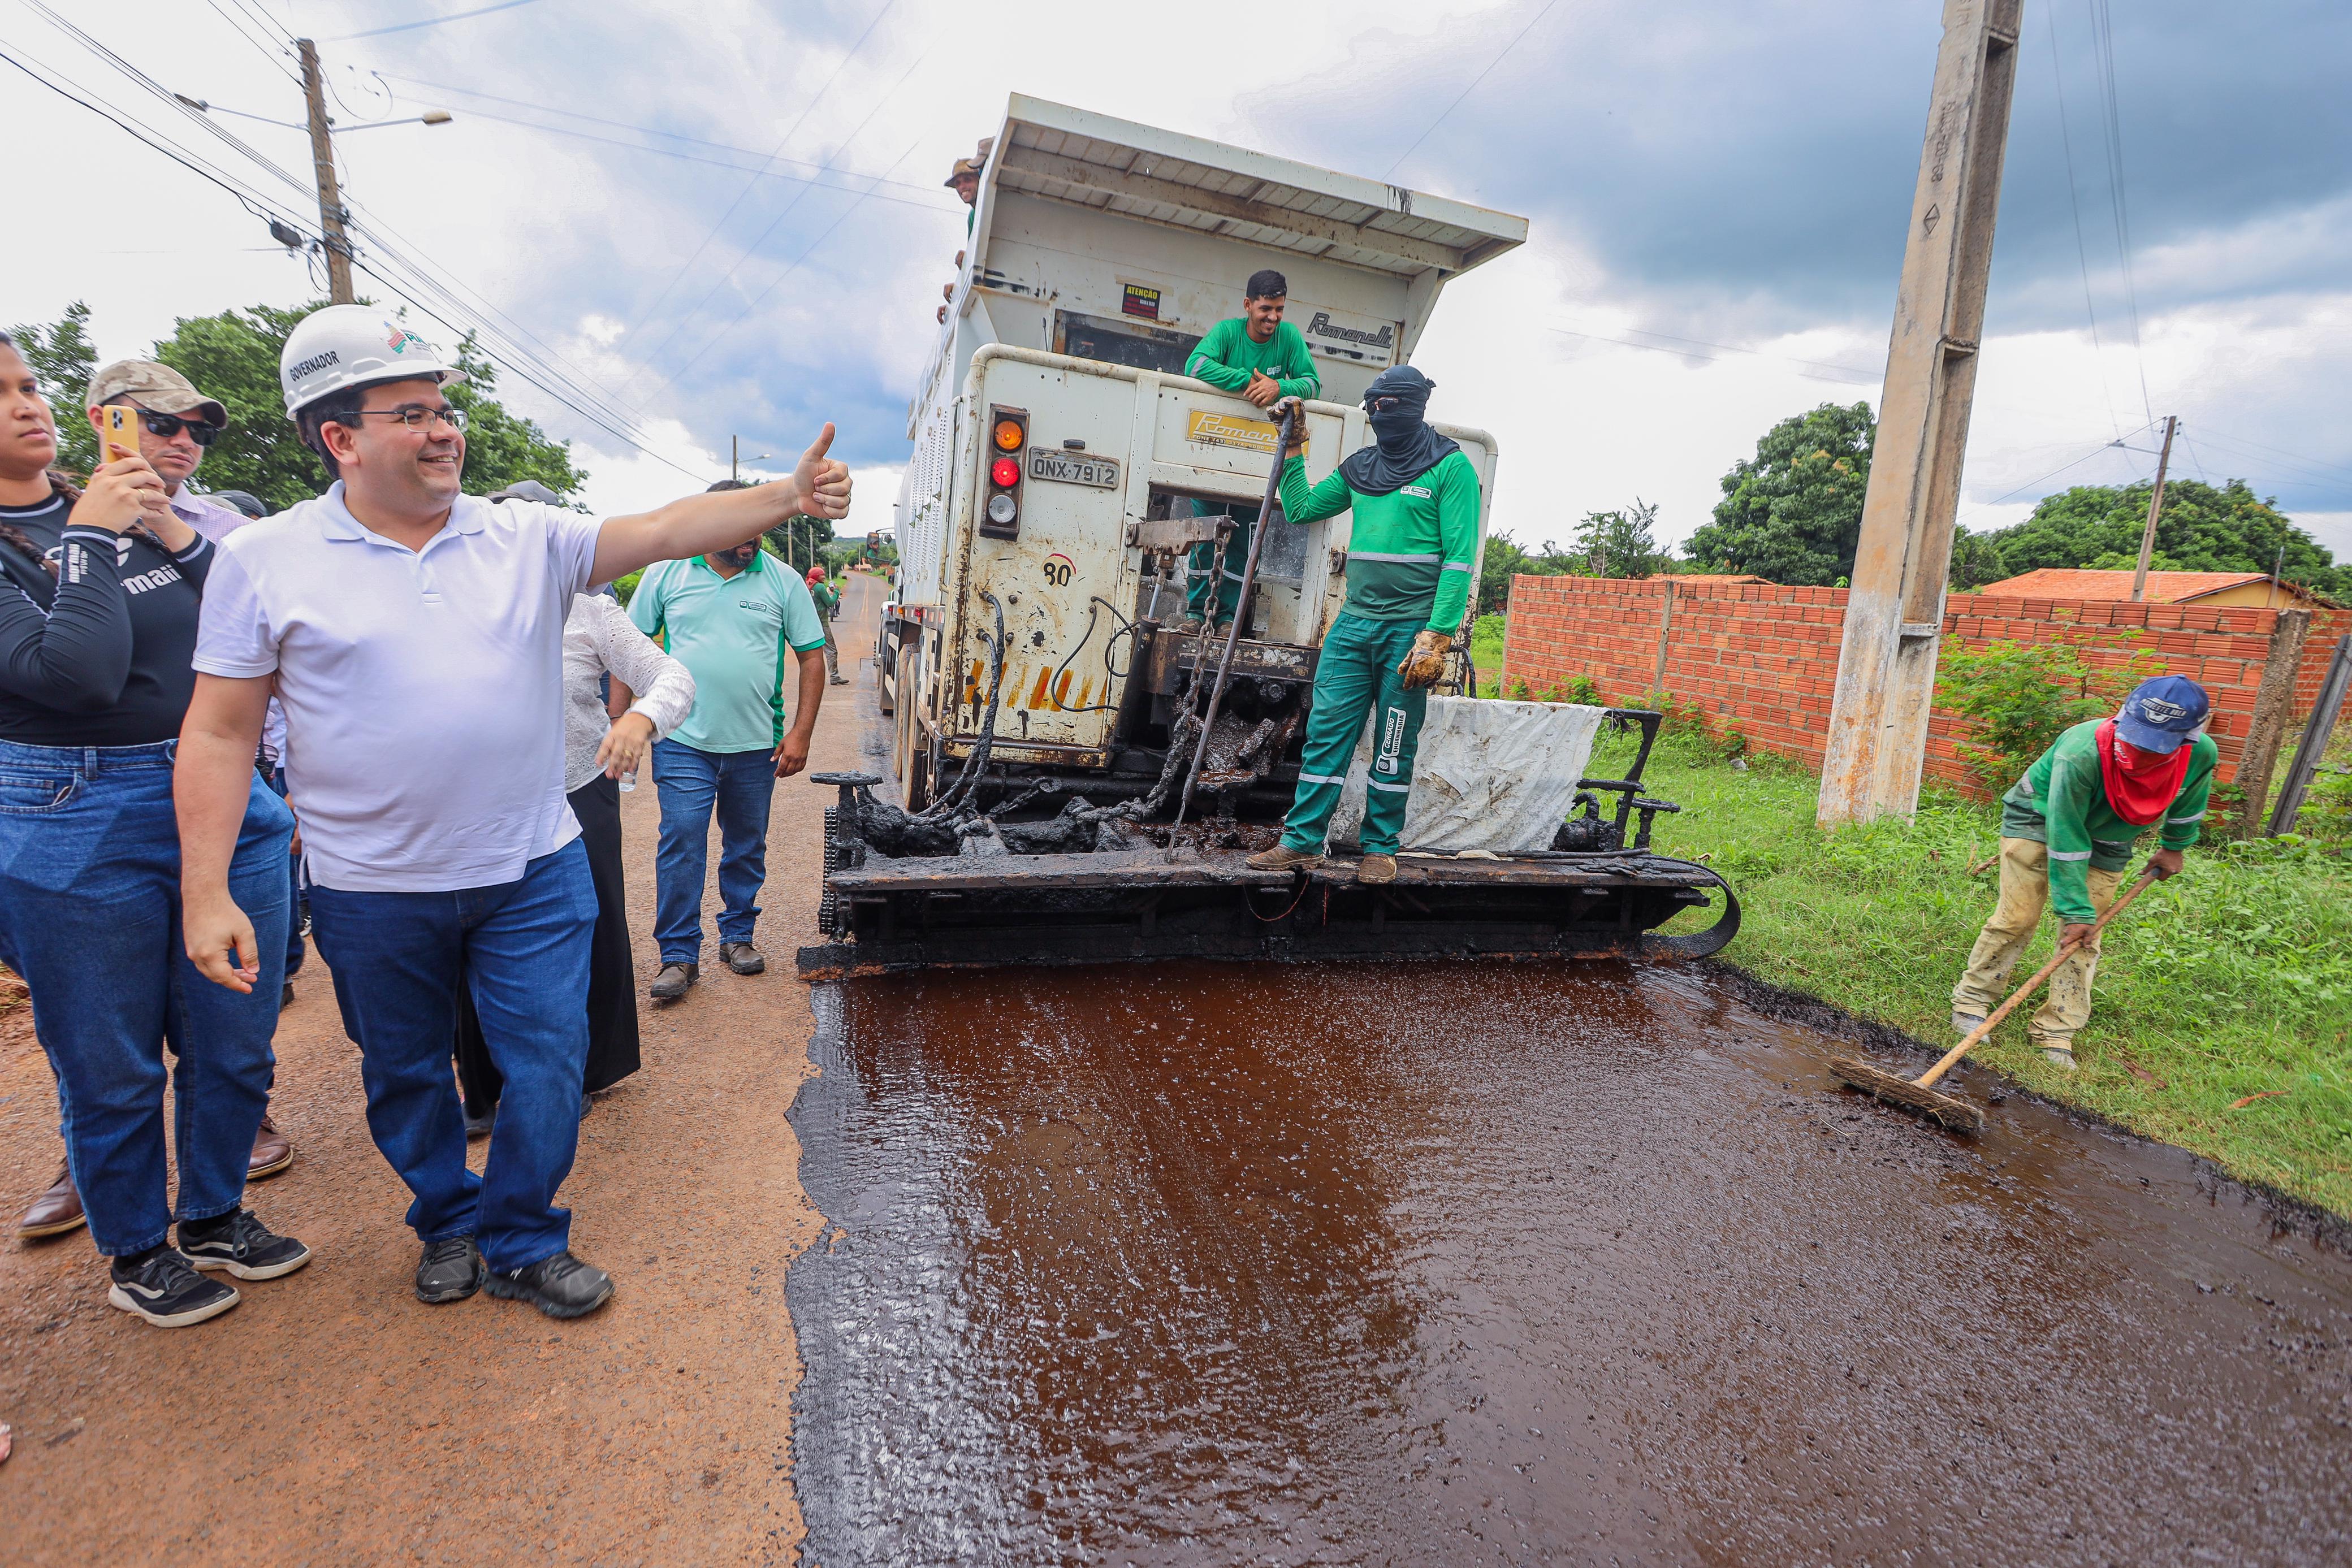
(1008,440)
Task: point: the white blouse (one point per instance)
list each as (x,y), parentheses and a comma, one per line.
(599,640)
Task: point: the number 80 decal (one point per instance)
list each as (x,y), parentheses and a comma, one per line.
(1058,568)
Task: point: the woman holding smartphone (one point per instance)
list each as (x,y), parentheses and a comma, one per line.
(99,598)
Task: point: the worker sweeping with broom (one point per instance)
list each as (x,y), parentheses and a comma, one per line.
(2067,831)
(1412,550)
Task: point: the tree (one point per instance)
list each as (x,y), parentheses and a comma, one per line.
(234,357)
(1976,560)
(64,359)
(1793,514)
(803,538)
(1503,560)
(1620,543)
(2201,528)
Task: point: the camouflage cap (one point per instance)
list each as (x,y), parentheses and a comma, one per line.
(152,385)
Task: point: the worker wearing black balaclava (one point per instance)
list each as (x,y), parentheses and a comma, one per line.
(1413,549)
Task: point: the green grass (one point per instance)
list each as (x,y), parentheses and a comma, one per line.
(1486,652)
(2232,979)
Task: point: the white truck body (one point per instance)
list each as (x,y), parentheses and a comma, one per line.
(1100,252)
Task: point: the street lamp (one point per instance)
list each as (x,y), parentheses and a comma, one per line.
(735,458)
(430,117)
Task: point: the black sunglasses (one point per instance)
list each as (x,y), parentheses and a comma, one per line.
(203,433)
(1380,404)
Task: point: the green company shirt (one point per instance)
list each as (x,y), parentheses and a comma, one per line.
(2062,802)
(1228,355)
(826,597)
(1411,553)
(734,635)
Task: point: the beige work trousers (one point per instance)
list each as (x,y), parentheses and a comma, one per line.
(2024,892)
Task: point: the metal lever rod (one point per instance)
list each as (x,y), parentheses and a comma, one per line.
(1233,631)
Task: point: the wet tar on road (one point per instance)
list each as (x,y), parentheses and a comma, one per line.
(1475,1263)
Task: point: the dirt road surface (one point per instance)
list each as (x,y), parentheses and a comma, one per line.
(332,1419)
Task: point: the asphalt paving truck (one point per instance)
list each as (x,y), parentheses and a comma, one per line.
(1078,778)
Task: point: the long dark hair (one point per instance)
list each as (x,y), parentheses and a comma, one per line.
(60,484)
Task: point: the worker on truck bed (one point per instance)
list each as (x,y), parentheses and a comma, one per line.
(1412,549)
(2066,834)
(1259,356)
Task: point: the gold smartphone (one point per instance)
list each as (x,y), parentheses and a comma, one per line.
(118,431)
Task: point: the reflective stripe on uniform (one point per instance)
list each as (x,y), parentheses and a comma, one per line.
(2069,854)
(1457,566)
(2183,821)
(1391,789)
(1319,778)
(1410,559)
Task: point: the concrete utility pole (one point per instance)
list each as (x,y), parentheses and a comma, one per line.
(2155,505)
(1894,612)
(322,163)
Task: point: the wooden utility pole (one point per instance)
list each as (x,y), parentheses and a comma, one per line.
(337,245)
(2155,505)
(1895,612)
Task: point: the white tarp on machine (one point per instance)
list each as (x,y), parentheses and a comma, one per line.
(1490,775)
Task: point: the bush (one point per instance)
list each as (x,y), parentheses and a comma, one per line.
(2019,697)
(1578,689)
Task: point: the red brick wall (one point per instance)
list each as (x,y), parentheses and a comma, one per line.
(1765,656)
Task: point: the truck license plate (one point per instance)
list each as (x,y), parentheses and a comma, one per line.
(1073,468)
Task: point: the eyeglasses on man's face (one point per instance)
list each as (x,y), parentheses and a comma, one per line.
(420,416)
(164,426)
(1380,404)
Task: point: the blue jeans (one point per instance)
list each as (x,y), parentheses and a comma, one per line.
(741,784)
(521,949)
(89,915)
(277,781)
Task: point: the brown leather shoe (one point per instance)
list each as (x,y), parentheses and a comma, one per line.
(1282,857)
(55,1212)
(1377,870)
(273,1151)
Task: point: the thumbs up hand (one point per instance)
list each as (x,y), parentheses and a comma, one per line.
(822,482)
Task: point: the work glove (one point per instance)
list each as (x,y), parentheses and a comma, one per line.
(1425,665)
(1296,407)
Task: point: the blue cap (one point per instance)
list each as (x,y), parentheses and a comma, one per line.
(2162,713)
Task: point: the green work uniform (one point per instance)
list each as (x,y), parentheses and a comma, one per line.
(735,636)
(1226,359)
(1411,556)
(2062,802)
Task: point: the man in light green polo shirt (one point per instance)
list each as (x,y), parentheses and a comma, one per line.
(734,620)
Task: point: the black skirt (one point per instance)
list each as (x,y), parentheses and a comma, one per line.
(611,972)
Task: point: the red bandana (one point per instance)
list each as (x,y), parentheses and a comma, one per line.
(2140,798)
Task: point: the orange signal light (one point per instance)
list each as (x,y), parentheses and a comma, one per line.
(1008,434)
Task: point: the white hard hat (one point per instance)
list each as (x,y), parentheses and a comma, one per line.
(340,346)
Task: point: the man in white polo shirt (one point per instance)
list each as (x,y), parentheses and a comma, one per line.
(414,635)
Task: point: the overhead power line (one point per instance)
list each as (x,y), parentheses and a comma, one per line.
(777,281)
(428,22)
(791,131)
(2103,33)
(412,282)
(934,192)
(1465,92)
(2081,250)
(880,102)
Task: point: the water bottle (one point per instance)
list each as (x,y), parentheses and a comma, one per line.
(628,780)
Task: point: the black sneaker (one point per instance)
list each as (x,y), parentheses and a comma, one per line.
(161,1287)
(561,1286)
(742,957)
(241,1244)
(479,1126)
(449,1272)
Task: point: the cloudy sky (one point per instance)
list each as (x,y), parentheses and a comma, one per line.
(726,218)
